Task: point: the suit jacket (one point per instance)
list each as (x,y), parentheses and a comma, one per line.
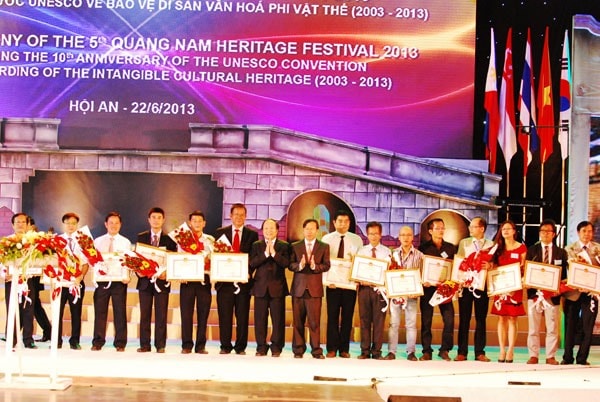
(559,257)
(269,272)
(249,236)
(306,278)
(169,244)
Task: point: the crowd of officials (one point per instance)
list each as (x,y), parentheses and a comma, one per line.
(308,259)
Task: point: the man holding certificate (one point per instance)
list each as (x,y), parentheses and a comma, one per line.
(476,243)
(309,259)
(543,302)
(231,300)
(584,251)
(111,242)
(157,294)
(340,302)
(196,292)
(269,258)
(404,257)
(436,247)
(371,305)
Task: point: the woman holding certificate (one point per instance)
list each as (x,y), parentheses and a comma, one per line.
(508,306)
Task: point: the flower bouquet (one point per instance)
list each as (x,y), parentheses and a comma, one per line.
(142,266)
(188,242)
(471,267)
(444,293)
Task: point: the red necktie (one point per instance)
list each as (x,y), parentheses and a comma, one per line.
(373,252)
(236,241)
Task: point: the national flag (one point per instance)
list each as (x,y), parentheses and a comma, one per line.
(545,116)
(565,99)
(527,137)
(507,136)
(490,103)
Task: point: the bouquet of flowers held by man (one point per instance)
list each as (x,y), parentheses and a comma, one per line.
(142,266)
(444,293)
(187,240)
(472,265)
(88,249)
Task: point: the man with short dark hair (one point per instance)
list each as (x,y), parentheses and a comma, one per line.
(436,247)
(586,251)
(340,302)
(540,302)
(149,293)
(111,242)
(309,259)
(70,222)
(230,300)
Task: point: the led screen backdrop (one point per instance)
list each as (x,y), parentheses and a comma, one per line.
(133,74)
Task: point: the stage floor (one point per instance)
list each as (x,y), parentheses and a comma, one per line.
(132,376)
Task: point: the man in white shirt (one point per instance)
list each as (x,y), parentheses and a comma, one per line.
(70,222)
(111,242)
(370,301)
(340,302)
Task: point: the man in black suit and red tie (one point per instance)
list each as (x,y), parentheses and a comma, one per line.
(309,259)
(229,299)
(269,259)
(149,293)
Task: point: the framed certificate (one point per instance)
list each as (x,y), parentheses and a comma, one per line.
(542,276)
(229,267)
(584,276)
(369,270)
(185,266)
(403,282)
(461,276)
(112,269)
(504,279)
(159,255)
(339,274)
(436,270)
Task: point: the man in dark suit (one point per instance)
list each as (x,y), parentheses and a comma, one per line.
(149,293)
(547,252)
(309,259)
(228,301)
(269,259)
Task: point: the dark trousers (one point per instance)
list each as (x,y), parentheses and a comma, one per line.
(372,321)
(229,304)
(275,306)
(573,310)
(340,313)
(25,312)
(160,300)
(307,309)
(38,310)
(447,312)
(118,292)
(194,294)
(465,309)
(75,309)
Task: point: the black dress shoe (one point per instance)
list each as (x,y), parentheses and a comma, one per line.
(224,352)
(297,355)
(96,348)
(160,350)
(31,346)
(186,351)
(240,352)
(319,356)
(275,354)
(76,347)
(202,351)
(143,350)
(120,349)
(260,354)
(43,339)
(363,356)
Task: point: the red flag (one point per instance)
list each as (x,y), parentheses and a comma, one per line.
(507,134)
(527,136)
(490,103)
(545,117)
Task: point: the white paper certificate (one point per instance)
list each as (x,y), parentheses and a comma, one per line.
(339,274)
(229,267)
(184,266)
(436,270)
(584,276)
(158,255)
(403,282)
(542,276)
(112,270)
(369,270)
(504,279)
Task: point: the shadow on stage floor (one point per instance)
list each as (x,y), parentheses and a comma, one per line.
(131,376)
